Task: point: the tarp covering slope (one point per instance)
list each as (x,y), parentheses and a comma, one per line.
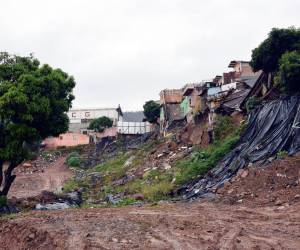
(273,127)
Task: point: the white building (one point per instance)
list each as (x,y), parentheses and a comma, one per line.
(81,118)
(133,128)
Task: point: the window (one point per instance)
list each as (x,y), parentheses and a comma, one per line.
(87,114)
(74,114)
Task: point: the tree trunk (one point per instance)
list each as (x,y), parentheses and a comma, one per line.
(1,174)
(8,178)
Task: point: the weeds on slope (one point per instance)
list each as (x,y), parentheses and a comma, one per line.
(160,183)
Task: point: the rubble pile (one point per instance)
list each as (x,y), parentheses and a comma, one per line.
(48,201)
(39,164)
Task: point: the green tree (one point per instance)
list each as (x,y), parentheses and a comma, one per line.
(288,76)
(101,123)
(34,100)
(267,55)
(151,111)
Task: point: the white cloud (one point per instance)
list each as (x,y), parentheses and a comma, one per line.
(126,51)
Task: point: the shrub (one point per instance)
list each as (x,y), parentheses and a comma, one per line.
(73,160)
(288,77)
(151,111)
(224,126)
(204,160)
(101,123)
(3,200)
(252,103)
(281,154)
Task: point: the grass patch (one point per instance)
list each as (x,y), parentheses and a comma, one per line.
(203,160)
(157,191)
(73,184)
(113,169)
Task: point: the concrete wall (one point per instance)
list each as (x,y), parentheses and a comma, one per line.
(66,140)
(76,115)
(185,105)
(170,96)
(109,132)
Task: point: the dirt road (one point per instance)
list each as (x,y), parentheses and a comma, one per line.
(29,184)
(207,225)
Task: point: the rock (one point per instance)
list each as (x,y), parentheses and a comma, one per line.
(227,184)
(8,209)
(166,165)
(281,175)
(244,174)
(74,198)
(27,165)
(278,202)
(110,199)
(53,206)
(115,240)
(230,191)
(196,191)
(124,241)
(129,161)
(31,236)
(138,197)
(159,155)
(297,196)
(240,201)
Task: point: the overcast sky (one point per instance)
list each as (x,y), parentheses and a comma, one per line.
(125,51)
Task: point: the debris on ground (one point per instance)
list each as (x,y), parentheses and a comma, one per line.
(271,129)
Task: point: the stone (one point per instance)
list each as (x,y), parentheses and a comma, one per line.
(230,191)
(138,197)
(31,236)
(129,161)
(53,206)
(278,202)
(166,166)
(27,165)
(244,174)
(115,240)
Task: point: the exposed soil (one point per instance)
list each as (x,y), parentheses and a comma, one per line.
(258,209)
(276,183)
(32,180)
(178,226)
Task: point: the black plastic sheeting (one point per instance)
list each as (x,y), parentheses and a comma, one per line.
(273,127)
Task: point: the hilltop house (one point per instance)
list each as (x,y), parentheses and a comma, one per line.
(81,118)
(170,111)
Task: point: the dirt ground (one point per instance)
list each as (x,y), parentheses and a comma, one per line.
(276,183)
(258,209)
(32,181)
(207,225)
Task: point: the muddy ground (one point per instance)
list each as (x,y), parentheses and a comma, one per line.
(207,225)
(258,209)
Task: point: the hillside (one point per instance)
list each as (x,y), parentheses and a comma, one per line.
(222,222)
